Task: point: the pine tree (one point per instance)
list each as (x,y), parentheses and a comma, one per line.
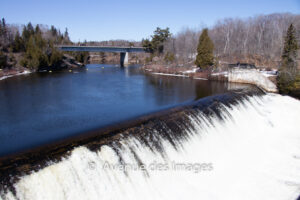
(30,28)
(156,45)
(31,54)
(4,28)
(27,32)
(158,39)
(147,45)
(3,60)
(205,56)
(18,44)
(55,57)
(3,34)
(37,30)
(288,69)
(66,37)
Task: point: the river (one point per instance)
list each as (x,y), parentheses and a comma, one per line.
(44,107)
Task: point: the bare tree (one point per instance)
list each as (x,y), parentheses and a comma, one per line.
(256,39)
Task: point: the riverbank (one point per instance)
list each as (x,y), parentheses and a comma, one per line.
(172,70)
(7,73)
(265,80)
(67,63)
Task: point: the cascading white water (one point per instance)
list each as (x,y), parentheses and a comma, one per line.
(254,153)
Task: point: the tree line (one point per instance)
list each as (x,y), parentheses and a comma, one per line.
(273,38)
(255,39)
(32,47)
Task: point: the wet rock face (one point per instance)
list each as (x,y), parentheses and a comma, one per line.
(251,76)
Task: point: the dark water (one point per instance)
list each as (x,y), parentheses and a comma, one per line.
(40,108)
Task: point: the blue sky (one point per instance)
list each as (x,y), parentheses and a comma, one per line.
(134,19)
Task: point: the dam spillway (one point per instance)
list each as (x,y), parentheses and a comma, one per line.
(234,146)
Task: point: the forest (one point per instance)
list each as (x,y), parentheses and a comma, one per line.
(33,47)
(258,40)
(269,42)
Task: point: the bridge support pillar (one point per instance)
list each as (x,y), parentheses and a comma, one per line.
(124,59)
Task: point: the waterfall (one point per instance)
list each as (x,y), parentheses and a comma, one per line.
(249,149)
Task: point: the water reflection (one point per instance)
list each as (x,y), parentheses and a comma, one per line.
(180,89)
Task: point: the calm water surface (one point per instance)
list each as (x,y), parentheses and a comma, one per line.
(44,107)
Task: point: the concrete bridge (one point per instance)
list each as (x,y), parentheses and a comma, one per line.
(122,50)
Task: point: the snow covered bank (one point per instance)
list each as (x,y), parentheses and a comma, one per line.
(21,73)
(252,76)
(165,74)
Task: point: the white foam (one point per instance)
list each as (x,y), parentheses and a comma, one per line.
(254,152)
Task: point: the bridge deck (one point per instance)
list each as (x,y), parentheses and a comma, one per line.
(102,49)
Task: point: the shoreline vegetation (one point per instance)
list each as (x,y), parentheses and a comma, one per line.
(26,49)
(263,51)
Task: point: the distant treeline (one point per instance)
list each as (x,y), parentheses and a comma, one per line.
(32,47)
(268,41)
(121,43)
(260,37)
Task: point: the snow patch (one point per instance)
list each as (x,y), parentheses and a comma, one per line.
(220,74)
(165,74)
(22,73)
(190,71)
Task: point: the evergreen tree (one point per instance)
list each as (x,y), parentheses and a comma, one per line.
(53,31)
(35,56)
(3,35)
(147,45)
(31,56)
(156,45)
(4,28)
(158,39)
(205,56)
(30,28)
(3,60)
(18,44)
(288,69)
(55,56)
(66,37)
(27,32)
(37,30)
